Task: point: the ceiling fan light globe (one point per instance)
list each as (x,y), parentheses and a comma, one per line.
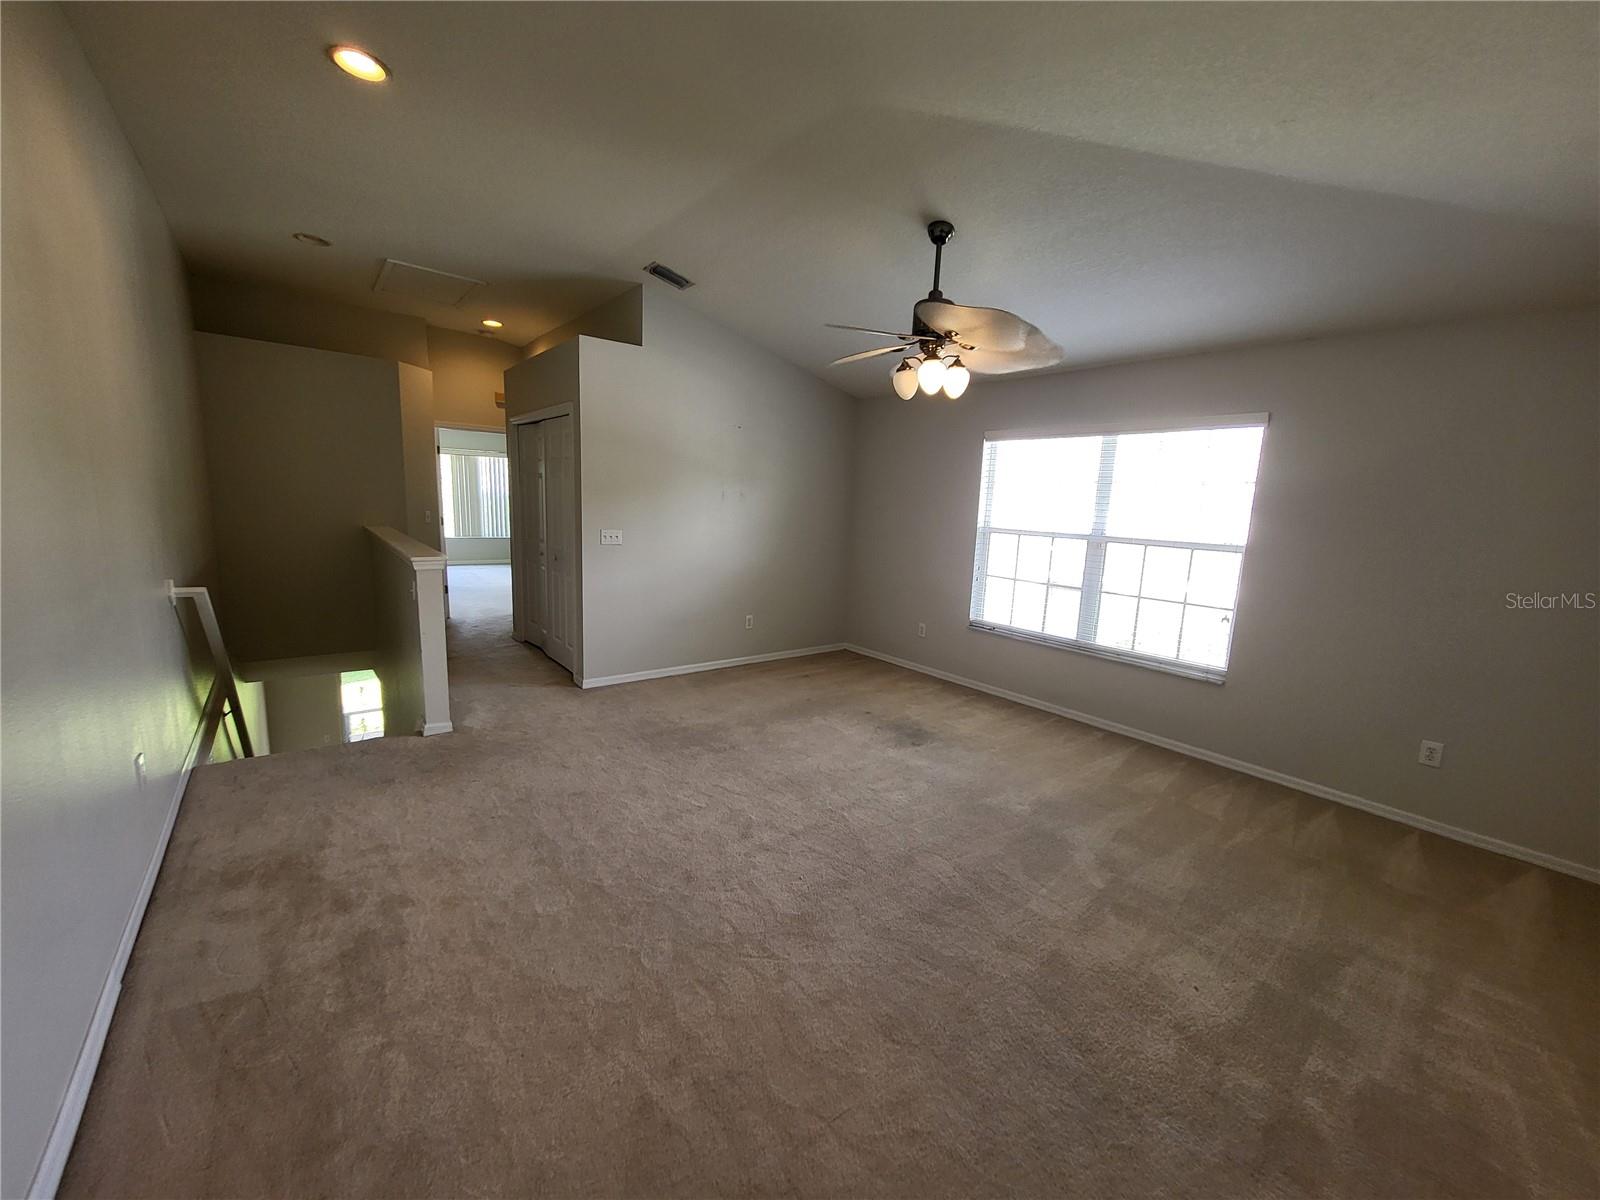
(930,375)
(904,378)
(956,379)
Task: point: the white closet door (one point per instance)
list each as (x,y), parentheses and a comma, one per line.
(531,469)
(560,542)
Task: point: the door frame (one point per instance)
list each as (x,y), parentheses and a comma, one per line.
(519,602)
(438,488)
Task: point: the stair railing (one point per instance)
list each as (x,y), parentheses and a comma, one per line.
(219,657)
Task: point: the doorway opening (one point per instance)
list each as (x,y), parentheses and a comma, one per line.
(475,523)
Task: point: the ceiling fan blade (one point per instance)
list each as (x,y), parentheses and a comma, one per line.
(850,358)
(985,328)
(863,329)
(1012,362)
(1003,343)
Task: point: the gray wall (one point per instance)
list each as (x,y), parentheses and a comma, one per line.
(304,712)
(421,463)
(1409,481)
(269,313)
(104,498)
(468,371)
(466,367)
(309,444)
(729,473)
(620,319)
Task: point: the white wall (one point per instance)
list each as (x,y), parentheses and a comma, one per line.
(311,447)
(104,498)
(729,473)
(1410,480)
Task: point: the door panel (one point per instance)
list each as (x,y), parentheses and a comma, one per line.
(560,541)
(548,538)
(530,467)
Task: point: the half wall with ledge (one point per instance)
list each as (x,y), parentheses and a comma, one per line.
(408,595)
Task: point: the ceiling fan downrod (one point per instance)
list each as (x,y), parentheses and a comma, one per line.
(939,232)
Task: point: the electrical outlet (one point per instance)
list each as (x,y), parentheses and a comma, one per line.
(138,768)
(749,620)
(611,537)
(1431,754)
(922,629)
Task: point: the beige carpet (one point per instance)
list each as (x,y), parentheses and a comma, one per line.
(828,928)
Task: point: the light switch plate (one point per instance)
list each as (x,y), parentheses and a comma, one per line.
(611,537)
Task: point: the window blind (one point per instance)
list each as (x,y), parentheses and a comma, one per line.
(1127,544)
(475,492)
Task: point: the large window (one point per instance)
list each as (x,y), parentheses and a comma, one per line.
(476,494)
(1123,544)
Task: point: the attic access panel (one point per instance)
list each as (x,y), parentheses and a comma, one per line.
(424,283)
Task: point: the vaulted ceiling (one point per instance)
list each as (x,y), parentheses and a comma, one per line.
(1137,179)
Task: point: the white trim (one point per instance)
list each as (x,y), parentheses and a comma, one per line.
(1455,833)
(695,668)
(564,409)
(1168,666)
(420,555)
(57,1147)
(429,728)
(1104,428)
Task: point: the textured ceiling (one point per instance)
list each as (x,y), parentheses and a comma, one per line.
(1136,179)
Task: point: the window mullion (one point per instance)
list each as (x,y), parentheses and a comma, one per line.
(1094,555)
(980,558)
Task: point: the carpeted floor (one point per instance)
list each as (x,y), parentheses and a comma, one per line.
(825,927)
(480,596)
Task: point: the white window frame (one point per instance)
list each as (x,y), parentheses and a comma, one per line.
(1097,539)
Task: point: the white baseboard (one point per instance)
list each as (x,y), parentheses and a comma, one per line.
(692,668)
(429,728)
(1482,841)
(47,1177)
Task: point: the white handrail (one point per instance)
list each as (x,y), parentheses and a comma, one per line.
(219,657)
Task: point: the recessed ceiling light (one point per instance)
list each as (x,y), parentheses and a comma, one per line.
(491,323)
(311,239)
(354,61)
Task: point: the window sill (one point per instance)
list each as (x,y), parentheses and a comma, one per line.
(1167,667)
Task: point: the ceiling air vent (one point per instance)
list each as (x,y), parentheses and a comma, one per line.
(424,283)
(668,275)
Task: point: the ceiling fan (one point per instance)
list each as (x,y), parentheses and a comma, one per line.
(953,340)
